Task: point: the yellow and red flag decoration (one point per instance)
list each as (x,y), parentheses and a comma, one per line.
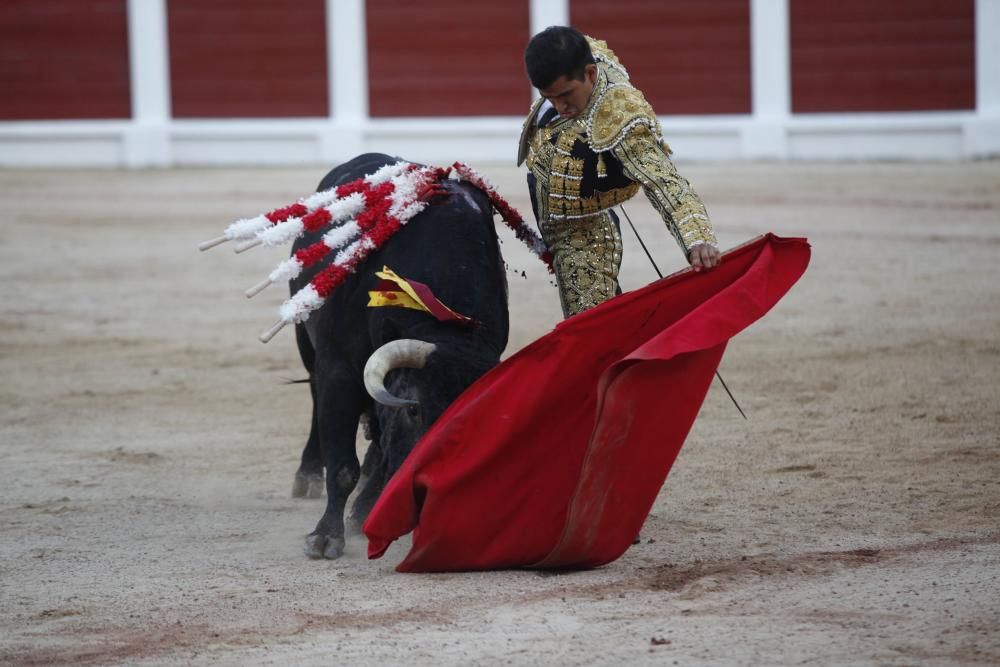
(394,290)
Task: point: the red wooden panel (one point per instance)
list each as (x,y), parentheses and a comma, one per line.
(63,59)
(447,58)
(686,56)
(891,55)
(247,58)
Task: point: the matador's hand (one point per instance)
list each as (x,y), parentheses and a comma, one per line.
(704,256)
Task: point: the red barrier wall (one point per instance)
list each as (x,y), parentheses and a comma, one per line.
(447,58)
(247,58)
(890,55)
(686,56)
(63,59)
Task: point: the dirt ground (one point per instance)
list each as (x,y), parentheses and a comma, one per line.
(148,444)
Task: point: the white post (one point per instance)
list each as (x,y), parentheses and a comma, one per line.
(548,12)
(544,13)
(982,133)
(347,74)
(147,142)
(770,79)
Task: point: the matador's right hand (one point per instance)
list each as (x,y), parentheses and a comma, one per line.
(704,256)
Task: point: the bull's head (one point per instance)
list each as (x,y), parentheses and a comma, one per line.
(405,353)
(411,400)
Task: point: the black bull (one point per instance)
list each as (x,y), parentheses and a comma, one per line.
(451,247)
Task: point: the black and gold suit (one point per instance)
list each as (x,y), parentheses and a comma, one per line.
(580,167)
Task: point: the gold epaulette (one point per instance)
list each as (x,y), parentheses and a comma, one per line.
(620,110)
(603,54)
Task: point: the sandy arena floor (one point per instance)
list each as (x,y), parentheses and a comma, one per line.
(148,444)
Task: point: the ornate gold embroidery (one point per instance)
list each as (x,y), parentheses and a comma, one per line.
(644,160)
(619,110)
(561,206)
(565,178)
(603,54)
(587,255)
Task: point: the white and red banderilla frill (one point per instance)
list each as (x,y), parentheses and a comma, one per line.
(364,213)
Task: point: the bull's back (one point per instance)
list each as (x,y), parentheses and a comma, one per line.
(353,169)
(451,247)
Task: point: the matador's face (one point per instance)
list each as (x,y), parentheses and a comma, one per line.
(570,96)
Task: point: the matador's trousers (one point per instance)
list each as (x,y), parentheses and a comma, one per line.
(587,255)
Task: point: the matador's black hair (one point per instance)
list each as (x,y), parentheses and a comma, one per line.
(554,52)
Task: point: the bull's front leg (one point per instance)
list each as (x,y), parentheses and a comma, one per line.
(374,473)
(339,403)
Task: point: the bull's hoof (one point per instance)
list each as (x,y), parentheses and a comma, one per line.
(307,485)
(324,546)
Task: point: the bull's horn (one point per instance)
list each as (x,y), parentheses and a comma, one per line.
(405,353)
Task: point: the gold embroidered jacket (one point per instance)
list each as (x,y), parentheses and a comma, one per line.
(588,164)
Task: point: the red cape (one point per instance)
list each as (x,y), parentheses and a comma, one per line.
(554,458)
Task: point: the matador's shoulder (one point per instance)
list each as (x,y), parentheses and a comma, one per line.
(604,55)
(621,110)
